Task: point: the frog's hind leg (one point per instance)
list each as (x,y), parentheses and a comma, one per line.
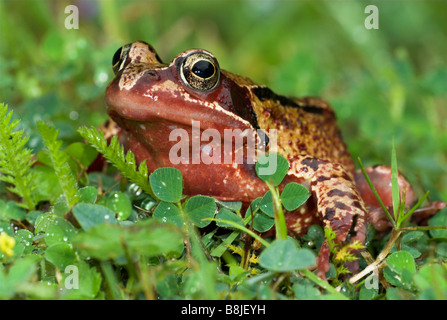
(339,205)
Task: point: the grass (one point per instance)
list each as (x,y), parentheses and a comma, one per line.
(382,83)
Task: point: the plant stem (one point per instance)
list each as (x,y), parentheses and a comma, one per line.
(380,258)
(241,228)
(186,229)
(280,220)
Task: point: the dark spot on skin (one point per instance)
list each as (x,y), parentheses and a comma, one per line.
(346,176)
(320,179)
(312,109)
(356,204)
(311,162)
(329,213)
(340,193)
(335,176)
(341,206)
(264,93)
(336,193)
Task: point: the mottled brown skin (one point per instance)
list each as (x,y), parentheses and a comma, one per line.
(148,99)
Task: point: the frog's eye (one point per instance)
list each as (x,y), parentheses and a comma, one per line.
(200,71)
(120,57)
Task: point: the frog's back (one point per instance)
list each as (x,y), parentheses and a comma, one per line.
(305,126)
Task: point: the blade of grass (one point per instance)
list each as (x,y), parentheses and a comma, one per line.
(395,184)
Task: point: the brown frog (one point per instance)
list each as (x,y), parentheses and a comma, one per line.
(149,100)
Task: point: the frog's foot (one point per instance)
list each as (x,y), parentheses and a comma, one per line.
(339,205)
(380,177)
(420,216)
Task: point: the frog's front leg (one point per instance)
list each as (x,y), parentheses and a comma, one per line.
(339,205)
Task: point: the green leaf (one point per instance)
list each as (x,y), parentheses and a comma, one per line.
(262,222)
(431,280)
(400,269)
(148,238)
(226,214)
(119,203)
(412,236)
(59,230)
(439,219)
(294,195)
(198,208)
(167,184)
(272,168)
(367,294)
(398,261)
(441,249)
(231,205)
(61,255)
(306,291)
(89,215)
(11,210)
(43,221)
(314,236)
(285,256)
(23,269)
(25,238)
(86,279)
(83,153)
(88,194)
(168,212)
(49,189)
(266,204)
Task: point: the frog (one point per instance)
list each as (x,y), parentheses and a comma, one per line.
(148,100)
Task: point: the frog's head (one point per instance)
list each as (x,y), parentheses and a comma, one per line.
(151,100)
(191,87)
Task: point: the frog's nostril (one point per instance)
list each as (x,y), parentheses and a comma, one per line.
(152,75)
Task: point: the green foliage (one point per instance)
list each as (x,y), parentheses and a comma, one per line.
(341,253)
(59,162)
(284,256)
(16,160)
(114,153)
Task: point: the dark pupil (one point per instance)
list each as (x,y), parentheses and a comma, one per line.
(203,69)
(116,56)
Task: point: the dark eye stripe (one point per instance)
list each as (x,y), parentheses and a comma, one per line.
(264,93)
